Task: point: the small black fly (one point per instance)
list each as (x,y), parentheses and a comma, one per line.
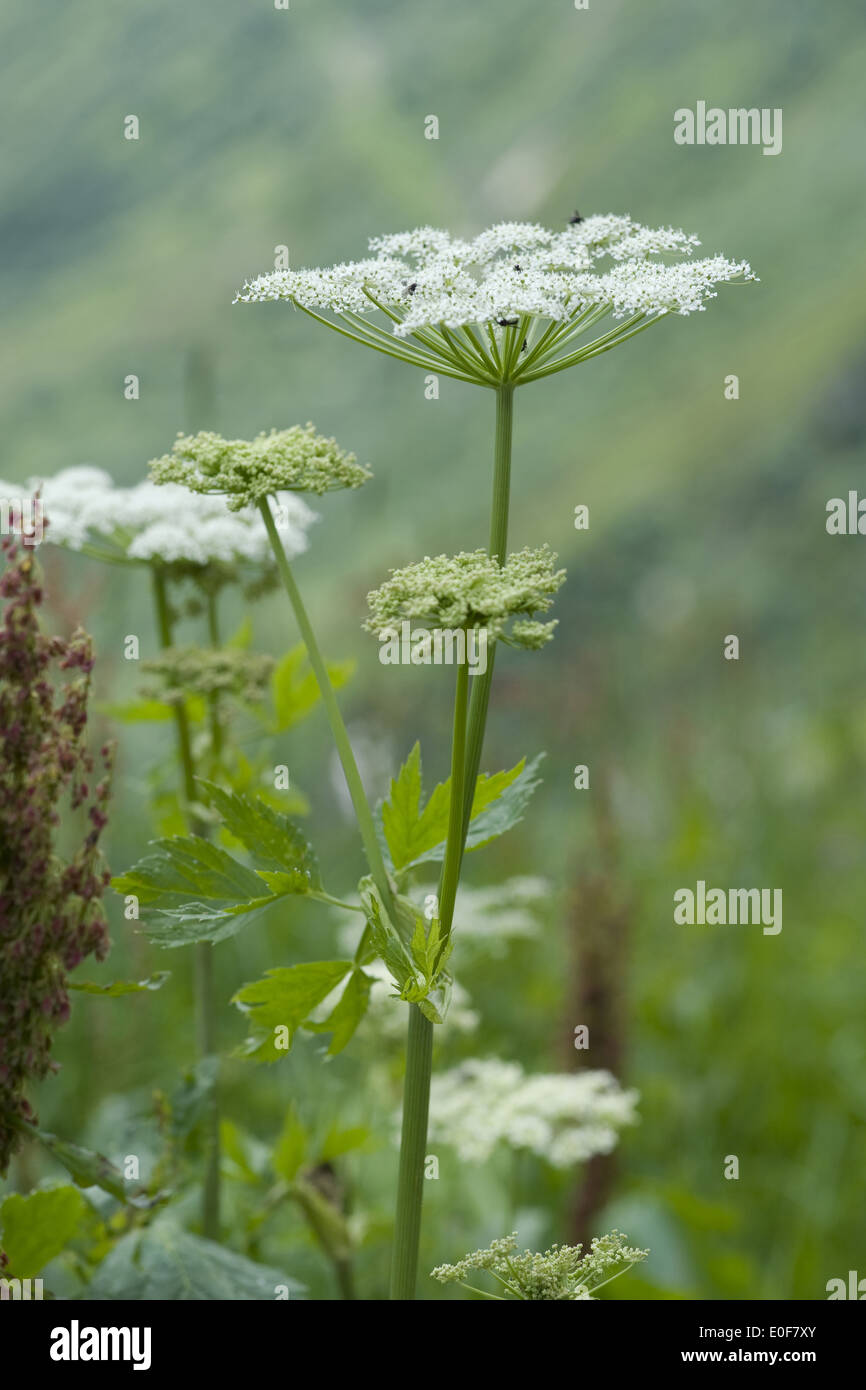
(575,218)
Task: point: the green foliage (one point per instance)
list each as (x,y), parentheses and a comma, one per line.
(415,951)
(195,891)
(291,1147)
(88,1169)
(143,711)
(294,690)
(191,1098)
(765,774)
(415,835)
(36,1228)
(270,838)
(163,1262)
(283,1001)
(347,1013)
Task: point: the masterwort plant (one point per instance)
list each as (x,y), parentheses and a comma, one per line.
(501,310)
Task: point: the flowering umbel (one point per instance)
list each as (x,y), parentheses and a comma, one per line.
(508,305)
(245,472)
(179,672)
(51,913)
(472,590)
(191,533)
(564,1273)
(563,1118)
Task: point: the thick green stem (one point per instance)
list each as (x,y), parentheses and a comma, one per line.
(204,991)
(419,1045)
(497,547)
(465,762)
(413,1145)
(454,843)
(363,814)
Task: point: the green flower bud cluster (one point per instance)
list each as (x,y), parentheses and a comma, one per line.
(183,671)
(247,471)
(562,1273)
(472,590)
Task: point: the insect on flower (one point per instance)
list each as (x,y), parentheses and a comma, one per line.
(441,298)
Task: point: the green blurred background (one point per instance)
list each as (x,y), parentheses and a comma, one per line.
(306,128)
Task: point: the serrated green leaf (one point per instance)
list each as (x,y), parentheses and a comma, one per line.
(507,809)
(188,867)
(165,1263)
(194,891)
(291,1147)
(193,923)
(120,987)
(391,945)
(272,840)
(414,951)
(401,812)
(37,1227)
(285,998)
(348,1012)
(415,836)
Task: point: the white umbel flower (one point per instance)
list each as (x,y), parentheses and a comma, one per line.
(506,305)
(562,1118)
(148,523)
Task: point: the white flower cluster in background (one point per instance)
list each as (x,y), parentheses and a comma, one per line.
(149,522)
(494,916)
(563,1118)
(515,268)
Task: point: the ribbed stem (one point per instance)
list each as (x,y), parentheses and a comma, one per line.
(454,843)
(413,1145)
(419,1043)
(497,547)
(206,1026)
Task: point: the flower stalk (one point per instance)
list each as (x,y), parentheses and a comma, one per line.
(419,1039)
(340,735)
(206,1024)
